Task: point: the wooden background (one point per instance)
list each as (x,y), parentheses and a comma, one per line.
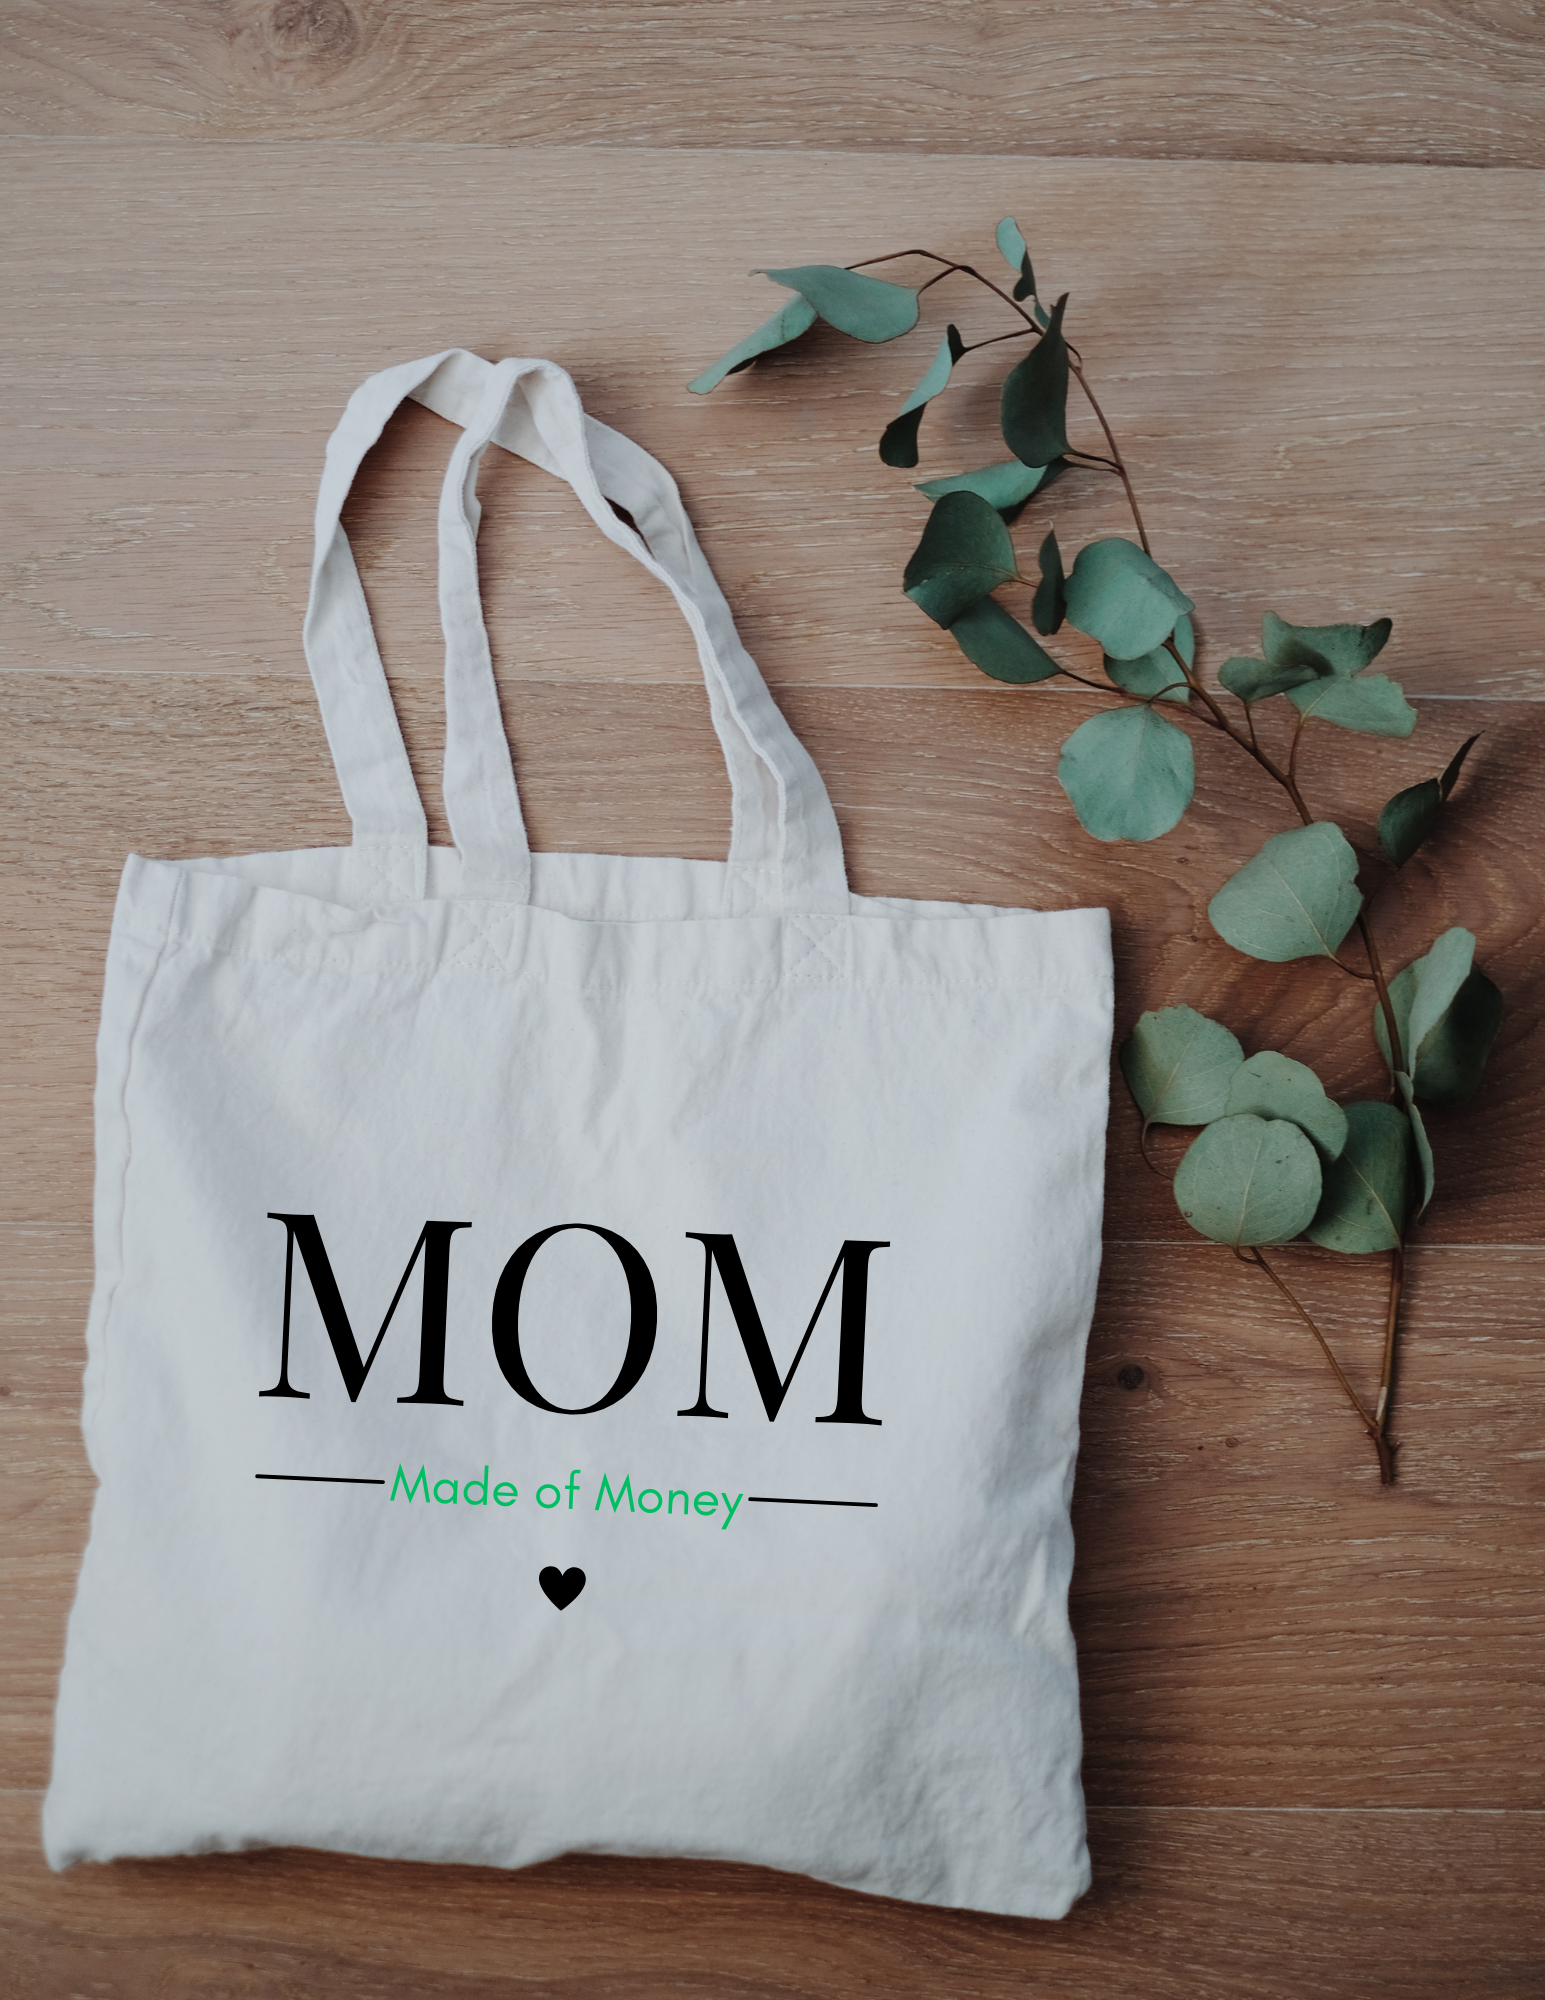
(1312,1706)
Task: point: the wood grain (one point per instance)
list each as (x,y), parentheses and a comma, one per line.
(1187,1905)
(1223,79)
(1338,413)
(946,794)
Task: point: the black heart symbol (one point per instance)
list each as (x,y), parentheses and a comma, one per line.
(562,1585)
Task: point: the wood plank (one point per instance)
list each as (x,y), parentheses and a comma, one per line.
(1227,79)
(1338,415)
(940,794)
(1259,1622)
(1186,1905)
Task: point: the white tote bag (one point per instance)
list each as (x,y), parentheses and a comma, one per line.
(585,1351)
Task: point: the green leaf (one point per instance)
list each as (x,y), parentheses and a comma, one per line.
(1255,680)
(1453,1057)
(867,308)
(965,552)
(1002,486)
(1155,673)
(1327,649)
(1129,773)
(1249,1180)
(1448,1015)
(1179,1065)
(898,440)
(1121,597)
(1422,992)
(1297,898)
(1033,410)
(1016,256)
(1367,1195)
(1372,704)
(1412,815)
(1456,764)
(1274,1086)
(1408,820)
(786,324)
(898,445)
(1439,977)
(1049,606)
(1419,1135)
(994,640)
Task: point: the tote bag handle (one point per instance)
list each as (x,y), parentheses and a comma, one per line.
(785,849)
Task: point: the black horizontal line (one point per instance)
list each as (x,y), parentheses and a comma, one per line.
(784,1500)
(319,1478)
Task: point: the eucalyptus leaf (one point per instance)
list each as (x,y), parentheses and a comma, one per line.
(1453,1057)
(1121,597)
(965,552)
(1256,680)
(1004,486)
(898,440)
(1129,773)
(1297,898)
(1178,1065)
(1327,649)
(1448,1014)
(1033,408)
(851,301)
(1422,992)
(1372,704)
(786,324)
(1154,675)
(1367,1192)
(1411,816)
(1249,1180)
(1274,1086)
(1419,1135)
(1017,256)
(1456,764)
(1439,977)
(1152,678)
(1408,820)
(994,640)
(898,445)
(1049,606)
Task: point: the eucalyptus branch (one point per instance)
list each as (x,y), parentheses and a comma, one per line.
(1272,1158)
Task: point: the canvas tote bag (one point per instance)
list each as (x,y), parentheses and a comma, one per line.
(585,1351)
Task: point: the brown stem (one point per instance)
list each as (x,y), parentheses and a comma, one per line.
(1115,452)
(992,340)
(1153,1164)
(1397,1271)
(1387,1006)
(1298,734)
(1375,1433)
